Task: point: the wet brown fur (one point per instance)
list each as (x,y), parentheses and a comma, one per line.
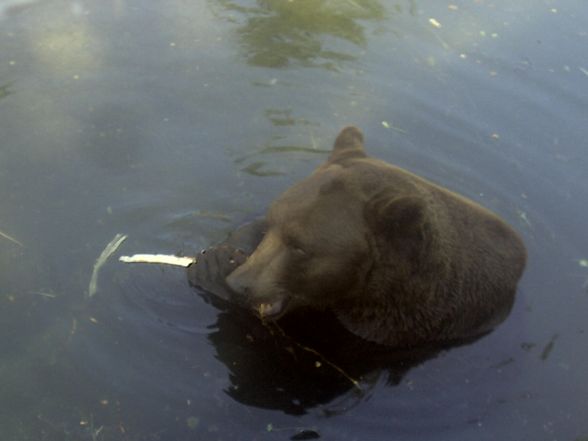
(400,261)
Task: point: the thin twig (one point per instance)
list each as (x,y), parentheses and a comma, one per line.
(321,356)
(10,238)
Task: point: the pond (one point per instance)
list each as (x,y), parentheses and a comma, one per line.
(174,122)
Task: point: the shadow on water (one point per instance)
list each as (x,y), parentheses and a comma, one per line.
(306,361)
(309,33)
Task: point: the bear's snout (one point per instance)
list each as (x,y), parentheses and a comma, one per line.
(268,305)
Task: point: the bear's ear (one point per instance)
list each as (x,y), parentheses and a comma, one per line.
(402,218)
(349,143)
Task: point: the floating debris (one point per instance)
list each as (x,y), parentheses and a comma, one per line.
(108,251)
(387,125)
(434,23)
(256,169)
(527,346)
(49,295)
(302,433)
(549,347)
(73,329)
(165,259)
(192,422)
(5,90)
(10,238)
(583,263)
(306,434)
(523,216)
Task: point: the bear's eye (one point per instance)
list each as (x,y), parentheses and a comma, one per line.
(296,246)
(300,251)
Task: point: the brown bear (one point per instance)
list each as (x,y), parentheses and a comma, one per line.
(399,260)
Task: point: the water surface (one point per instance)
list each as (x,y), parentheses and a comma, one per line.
(173,122)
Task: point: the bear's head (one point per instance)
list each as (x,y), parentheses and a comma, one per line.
(322,237)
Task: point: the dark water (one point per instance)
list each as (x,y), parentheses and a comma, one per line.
(172,122)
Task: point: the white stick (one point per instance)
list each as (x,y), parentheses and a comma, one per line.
(165,259)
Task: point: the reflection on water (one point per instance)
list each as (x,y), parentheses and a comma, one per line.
(257,163)
(310,33)
(267,159)
(293,148)
(68,49)
(307,360)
